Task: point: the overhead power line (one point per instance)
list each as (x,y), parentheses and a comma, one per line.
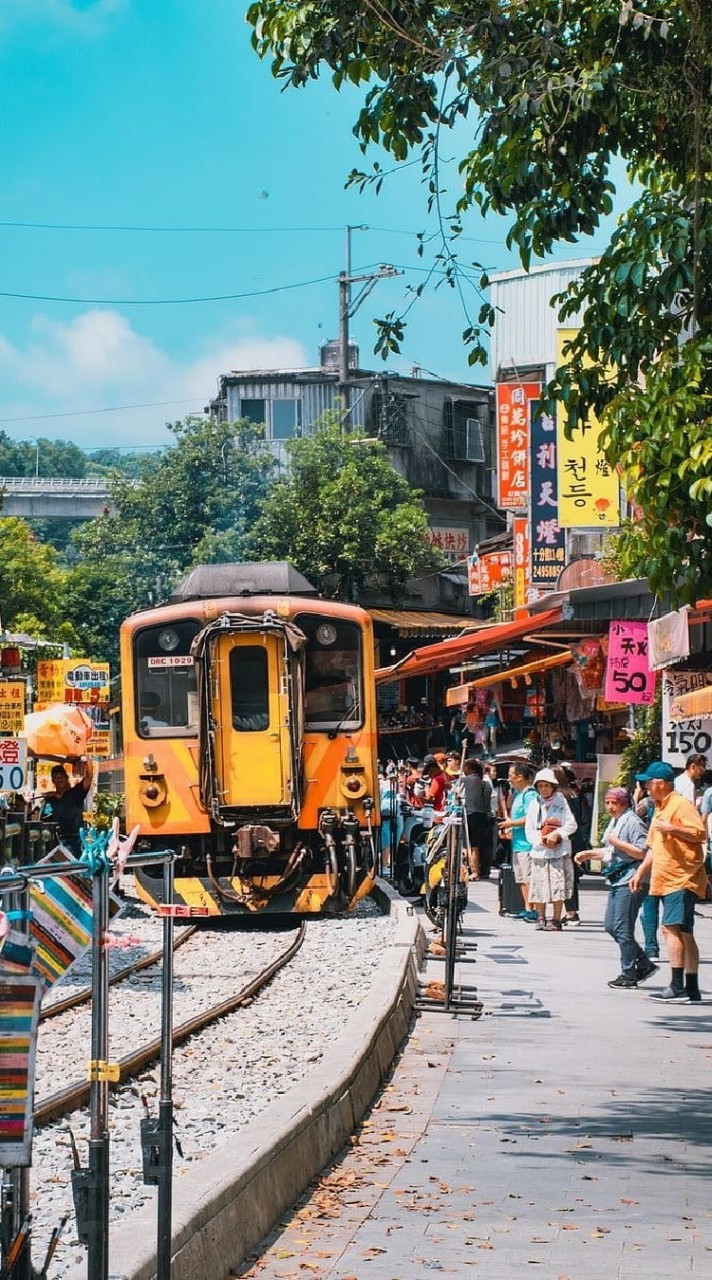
(167,302)
(184,230)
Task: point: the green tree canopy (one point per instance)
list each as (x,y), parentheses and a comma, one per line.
(192,503)
(32,587)
(547,94)
(344,516)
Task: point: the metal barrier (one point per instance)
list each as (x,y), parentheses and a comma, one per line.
(90,1185)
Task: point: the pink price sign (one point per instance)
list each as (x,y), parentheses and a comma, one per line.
(628,676)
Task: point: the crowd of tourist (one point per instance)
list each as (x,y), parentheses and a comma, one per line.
(655,851)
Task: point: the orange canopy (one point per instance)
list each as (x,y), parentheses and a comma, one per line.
(446,653)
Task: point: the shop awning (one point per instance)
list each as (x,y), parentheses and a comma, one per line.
(460,693)
(692,706)
(421,623)
(447,653)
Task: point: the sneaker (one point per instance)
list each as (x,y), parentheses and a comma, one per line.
(541,923)
(652,953)
(623,981)
(572,922)
(694,999)
(644,971)
(527,915)
(553,926)
(671,994)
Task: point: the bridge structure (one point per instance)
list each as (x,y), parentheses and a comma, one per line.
(40,497)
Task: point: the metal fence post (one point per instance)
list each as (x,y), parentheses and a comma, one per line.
(164,1238)
(98,1181)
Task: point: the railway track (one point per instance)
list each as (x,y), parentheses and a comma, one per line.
(79,998)
(76,1095)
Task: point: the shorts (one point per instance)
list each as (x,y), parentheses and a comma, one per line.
(679,909)
(552,879)
(522,866)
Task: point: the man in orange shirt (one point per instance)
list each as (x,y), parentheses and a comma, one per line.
(675,861)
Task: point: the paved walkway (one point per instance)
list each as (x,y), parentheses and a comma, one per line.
(567,1133)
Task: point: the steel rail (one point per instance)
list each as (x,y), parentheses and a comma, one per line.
(77,1095)
(84,996)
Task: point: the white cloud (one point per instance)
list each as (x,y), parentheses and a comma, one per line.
(87,17)
(98,361)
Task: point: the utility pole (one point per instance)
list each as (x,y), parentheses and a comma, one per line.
(348,308)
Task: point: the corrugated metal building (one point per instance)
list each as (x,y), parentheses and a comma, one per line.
(524,333)
(440,436)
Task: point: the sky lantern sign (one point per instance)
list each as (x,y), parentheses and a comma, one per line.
(628,676)
(489,572)
(513,442)
(589,493)
(548,540)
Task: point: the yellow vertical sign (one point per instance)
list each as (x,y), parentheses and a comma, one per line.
(12,706)
(589,495)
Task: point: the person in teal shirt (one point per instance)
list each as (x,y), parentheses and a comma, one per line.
(521,779)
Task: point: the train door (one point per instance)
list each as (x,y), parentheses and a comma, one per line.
(250,708)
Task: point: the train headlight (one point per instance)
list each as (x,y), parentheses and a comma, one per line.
(353,786)
(168,640)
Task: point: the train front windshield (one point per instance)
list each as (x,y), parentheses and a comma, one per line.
(334,673)
(166,690)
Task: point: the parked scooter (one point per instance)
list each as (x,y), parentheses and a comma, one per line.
(409,869)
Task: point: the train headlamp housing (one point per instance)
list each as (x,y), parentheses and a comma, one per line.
(326,633)
(168,639)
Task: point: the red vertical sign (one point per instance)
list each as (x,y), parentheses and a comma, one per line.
(513,442)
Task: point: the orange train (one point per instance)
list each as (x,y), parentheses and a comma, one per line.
(249,740)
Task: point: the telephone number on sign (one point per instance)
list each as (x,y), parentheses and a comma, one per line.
(685,741)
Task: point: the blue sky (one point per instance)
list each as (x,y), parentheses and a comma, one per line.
(156,113)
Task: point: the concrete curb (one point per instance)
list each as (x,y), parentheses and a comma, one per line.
(234,1197)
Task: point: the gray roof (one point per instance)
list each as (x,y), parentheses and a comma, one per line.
(269,578)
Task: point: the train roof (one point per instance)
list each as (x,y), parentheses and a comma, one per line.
(266,578)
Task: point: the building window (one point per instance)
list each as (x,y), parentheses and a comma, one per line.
(391,417)
(286,417)
(254,411)
(465,425)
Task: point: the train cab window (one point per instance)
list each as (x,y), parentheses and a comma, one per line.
(249,688)
(166,688)
(334,673)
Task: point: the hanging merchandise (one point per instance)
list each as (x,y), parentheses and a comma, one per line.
(669,639)
(589,665)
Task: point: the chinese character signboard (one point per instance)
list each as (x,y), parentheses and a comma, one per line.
(489,572)
(72,680)
(12,706)
(685,736)
(454,544)
(513,442)
(589,494)
(520,535)
(50,681)
(13,764)
(628,676)
(548,541)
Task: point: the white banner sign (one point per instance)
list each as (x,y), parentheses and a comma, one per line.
(680,739)
(13,764)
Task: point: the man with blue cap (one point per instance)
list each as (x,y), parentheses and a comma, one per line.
(675,861)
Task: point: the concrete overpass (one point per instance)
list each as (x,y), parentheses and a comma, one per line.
(37,497)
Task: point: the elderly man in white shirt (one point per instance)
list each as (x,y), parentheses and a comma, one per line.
(687,782)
